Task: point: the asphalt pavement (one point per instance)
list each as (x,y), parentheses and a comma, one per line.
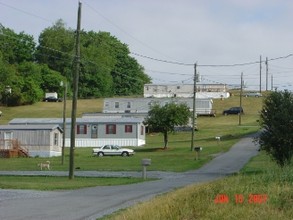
(95,202)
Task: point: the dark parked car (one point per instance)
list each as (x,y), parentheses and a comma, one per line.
(233,111)
(52,99)
(252,94)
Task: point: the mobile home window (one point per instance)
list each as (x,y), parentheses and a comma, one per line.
(128,128)
(56,137)
(81,129)
(116,104)
(110,129)
(128,104)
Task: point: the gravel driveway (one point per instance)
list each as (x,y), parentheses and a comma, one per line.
(95,202)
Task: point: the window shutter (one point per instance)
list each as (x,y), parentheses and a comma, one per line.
(107,129)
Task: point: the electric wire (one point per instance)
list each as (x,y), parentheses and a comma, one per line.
(25,12)
(144,56)
(122,30)
(125,75)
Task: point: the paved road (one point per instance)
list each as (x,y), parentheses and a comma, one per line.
(95,202)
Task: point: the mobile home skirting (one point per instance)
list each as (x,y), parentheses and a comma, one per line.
(83,142)
(44,153)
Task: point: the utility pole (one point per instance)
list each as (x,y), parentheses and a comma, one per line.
(272,82)
(64,119)
(193,109)
(75,94)
(260,75)
(241,93)
(267,73)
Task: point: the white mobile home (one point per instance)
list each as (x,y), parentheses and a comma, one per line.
(141,106)
(214,91)
(38,140)
(94,132)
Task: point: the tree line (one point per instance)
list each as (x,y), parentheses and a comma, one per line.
(28,70)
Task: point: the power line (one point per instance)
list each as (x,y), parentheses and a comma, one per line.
(169,73)
(85,60)
(211,65)
(25,12)
(164,61)
(144,56)
(282,57)
(122,30)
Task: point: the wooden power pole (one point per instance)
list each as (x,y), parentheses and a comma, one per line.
(75,94)
(193,109)
(241,94)
(267,74)
(260,75)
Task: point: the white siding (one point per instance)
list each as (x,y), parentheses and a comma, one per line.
(186,91)
(103,141)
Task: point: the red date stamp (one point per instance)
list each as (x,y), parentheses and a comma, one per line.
(257,198)
(221,199)
(240,198)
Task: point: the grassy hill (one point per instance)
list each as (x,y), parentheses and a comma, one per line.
(179,143)
(251,107)
(49,109)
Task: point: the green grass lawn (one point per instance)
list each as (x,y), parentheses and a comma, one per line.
(61,183)
(178,157)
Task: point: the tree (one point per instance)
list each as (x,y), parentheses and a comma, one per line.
(165,118)
(16,48)
(56,48)
(106,69)
(128,76)
(96,65)
(106,66)
(276,120)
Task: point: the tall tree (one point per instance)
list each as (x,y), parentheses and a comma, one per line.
(165,118)
(128,76)
(56,48)
(97,63)
(16,48)
(276,120)
(107,68)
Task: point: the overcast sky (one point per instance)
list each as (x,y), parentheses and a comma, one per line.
(210,33)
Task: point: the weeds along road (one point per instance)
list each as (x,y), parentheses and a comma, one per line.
(95,202)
